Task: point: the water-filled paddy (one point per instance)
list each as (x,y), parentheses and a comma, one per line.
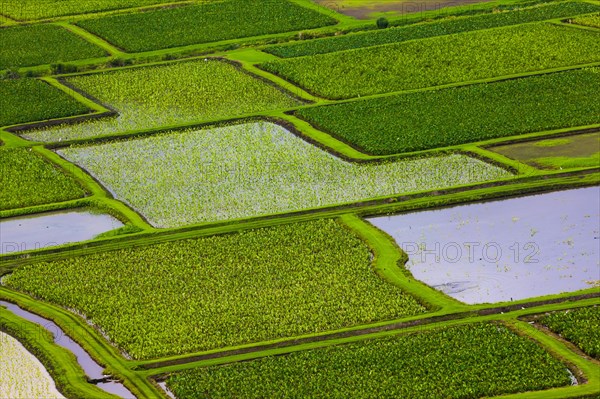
(50,229)
(504,250)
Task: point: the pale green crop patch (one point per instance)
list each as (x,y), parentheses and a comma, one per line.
(168,94)
(255,169)
(22,374)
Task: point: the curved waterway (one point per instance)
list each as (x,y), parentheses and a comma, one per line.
(92,369)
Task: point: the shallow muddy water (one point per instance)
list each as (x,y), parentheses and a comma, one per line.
(92,369)
(50,229)
(504,250)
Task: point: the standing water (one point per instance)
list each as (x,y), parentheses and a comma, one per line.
(50,229)
(504,250)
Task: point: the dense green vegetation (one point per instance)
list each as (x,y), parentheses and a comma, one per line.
(31,100)
(593,21)
(27,180)
(203,23)
(438,28)
(252,170)
(38,9)
(440,60)
(469,361)
(580,326)
(431,119)
(42,44)
(160,95)
(192,295)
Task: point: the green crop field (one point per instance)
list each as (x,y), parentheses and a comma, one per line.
(28,180)
(31,100)
(203,23)
(469,361)
(580,326)
(430,119)
(38,9)
(437,28)
(164,95)
(440,60)
(226,290)
(270,172)
(253,170)
(42,44)
(593,21)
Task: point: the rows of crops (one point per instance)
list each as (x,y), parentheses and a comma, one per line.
(593,21)
(437,28)
(191,295)
(203,23)
(440,60)
(38,9)
(425,120)
(197,91)
(254,169)
(580,326)
(470,361)
(23,376)
(42,44)
(30,100)
(28,180)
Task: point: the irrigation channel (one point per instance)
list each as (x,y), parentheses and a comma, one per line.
(54,228)
(92,369)
(504,250)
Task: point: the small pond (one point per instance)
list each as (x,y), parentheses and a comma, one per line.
(504,250)
(26,233)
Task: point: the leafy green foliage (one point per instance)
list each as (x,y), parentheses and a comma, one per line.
(149,97)
(470,361)
(203,23)
(192,295)
(253,170)
(42,44)
(38,9)
(438,28)
(440,60)
(580,326)
(31,100)
(592,20)
(28,180)
(431,119)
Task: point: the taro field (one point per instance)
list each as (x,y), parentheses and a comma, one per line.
(299,199)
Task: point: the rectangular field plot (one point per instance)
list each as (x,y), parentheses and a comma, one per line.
(500,251)
(203,23)
(31,45)
(25,10)
(580,326)
(193,295)
(30,100)
(437,28)
(471,361)
(440,60)
(161,95)
(252,170)
(431,119)
(28,180)
(577,151)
